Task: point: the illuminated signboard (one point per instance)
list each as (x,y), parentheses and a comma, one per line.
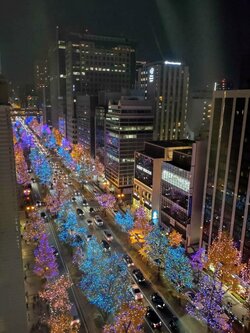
(176,180)
(155,216)
(172,63)
(143,169)
(151,74)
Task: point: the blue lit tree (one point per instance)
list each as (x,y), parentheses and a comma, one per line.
(157,244)
(178,269)
(105,280)
(40,165)
(125,221)
(207,304)
(69,230)
(50,141)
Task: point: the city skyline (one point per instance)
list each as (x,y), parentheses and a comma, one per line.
(204,36)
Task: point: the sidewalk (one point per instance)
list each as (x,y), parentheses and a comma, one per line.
(36,309)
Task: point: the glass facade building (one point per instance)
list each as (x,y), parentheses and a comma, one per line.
(128,125)
(227,184)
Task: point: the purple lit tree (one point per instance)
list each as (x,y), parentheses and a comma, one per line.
(107,201)
(207,304)
(45,260)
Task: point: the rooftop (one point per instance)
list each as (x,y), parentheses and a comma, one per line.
(171,143)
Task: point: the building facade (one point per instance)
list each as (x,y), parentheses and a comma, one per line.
(148,164)
(12,302)
(86,127)
(95,63)
(128,125)
(182,183)
(166,84)
(227,181)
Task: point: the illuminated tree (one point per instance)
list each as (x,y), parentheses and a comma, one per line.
(56,294)
(141,227)
(66,144)
(58,136)
(40,165)
(198,259)
(178,269)
(225,259)
(207,304)
(107,201)
(62,324)
(125,221)
(34,229)
(77,152)
(50,141)
(99,167)
(105,280)
(45,261)
(52,203)
(21,166)
(174,238)
(129,319)
(156,245)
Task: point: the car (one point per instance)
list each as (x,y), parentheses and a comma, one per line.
(136,292)
(128,260)
(89,237)
(70,183)
(108,235)
(38,203)
(77,193)
(106,246)
(89,222)
(158,301)
(75,321)
(138,276)
(152,318)
(55,251)
(98,221)
(73,199)
(29,171)
(173,324)
(91,210)
(115,211)
(43,215)
(84,202)
(79,212)
(33,180)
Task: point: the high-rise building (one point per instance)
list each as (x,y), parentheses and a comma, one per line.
(224,84)
(198,119)
(129,123)
(166,84)
(12,302)
(95,63)
(86,127)
(57,77)
(227,182)
(41,76)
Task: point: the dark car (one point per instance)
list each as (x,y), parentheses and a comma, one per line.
(152,318)
(55,251)
(43,215)
(79,212)
(158,301)
(91,209)
(128,260)
(173,324)
(84,202)
(73,199)
(105,245)
(138,276)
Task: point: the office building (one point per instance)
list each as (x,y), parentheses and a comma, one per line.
(227,181)
(166,84)
(223,84)
(12,302)
(86,127)
(182,184)
(57,78)
(148,164)
(198,119)
(41,77)
(95,63)
(129,123)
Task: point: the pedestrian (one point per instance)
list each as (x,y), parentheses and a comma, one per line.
(28,265)
(27,305)
(25,277)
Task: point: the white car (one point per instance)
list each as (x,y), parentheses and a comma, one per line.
(98,221)
(136,292)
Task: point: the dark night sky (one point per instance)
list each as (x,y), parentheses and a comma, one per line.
(208,35)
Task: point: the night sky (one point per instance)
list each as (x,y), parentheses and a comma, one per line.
(208,35)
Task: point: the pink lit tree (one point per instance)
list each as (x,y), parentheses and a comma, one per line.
(34,229)
(107,201)
(45,260)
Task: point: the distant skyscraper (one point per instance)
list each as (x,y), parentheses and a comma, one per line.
(166,84)
(224,84)
(128,125)
(227,182)
(12,301)
(95,63)
(57,75)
